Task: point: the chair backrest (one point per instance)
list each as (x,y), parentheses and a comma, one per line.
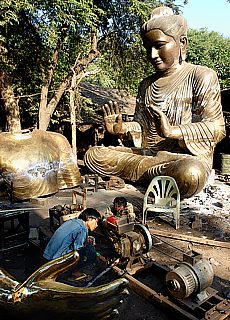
(162,192)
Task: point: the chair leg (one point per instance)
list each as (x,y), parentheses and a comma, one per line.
(176,216)
(144,216)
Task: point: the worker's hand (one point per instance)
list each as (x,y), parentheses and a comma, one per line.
(102,258)
(112,118)
(90,241)
(163,127)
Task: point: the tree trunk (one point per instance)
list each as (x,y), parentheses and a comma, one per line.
(46,109)
(72,95)
(10,105)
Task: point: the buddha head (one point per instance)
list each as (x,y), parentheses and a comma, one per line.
(164,36)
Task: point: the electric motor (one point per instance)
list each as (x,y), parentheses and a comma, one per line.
(187,279)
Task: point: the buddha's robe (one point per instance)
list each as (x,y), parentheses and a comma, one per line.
(190,98)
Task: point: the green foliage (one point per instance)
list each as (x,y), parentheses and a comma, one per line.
(29,34)
(10,9)
(30,30)
(123,71)
(210,49)
(120,44)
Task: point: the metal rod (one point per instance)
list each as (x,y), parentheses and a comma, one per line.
(183,237)
(102,273)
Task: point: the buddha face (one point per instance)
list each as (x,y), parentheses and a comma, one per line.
(162,50)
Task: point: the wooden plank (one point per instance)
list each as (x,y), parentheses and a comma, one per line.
(20,209)
(183,237)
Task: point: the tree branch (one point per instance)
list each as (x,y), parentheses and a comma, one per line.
(79,69)
(56,53)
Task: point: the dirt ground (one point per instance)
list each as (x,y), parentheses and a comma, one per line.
(205,216)
(206,220)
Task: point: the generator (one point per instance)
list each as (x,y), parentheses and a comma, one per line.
(130,240)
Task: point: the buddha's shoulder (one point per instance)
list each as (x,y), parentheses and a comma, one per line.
(199,70)
(147,81)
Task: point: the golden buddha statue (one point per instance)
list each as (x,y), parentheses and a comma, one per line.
(178,118)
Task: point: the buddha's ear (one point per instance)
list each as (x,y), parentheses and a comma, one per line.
(183,46)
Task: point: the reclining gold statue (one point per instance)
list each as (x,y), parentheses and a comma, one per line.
(178,118)
(41,297)
(37,163)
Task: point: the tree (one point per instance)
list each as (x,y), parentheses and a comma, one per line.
(9,16)
(42,38)
(122,52)
(210,49)
(44,29)
(76,73)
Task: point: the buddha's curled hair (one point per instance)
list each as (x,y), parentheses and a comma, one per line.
(164,19)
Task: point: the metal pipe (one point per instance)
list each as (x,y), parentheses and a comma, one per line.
(102,273)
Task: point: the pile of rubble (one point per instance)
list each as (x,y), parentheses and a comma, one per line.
(212,205)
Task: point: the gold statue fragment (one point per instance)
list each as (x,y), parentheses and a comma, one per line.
(41,297)
(178,118)
(37,163)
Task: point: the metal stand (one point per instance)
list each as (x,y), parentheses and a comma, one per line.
(14,229)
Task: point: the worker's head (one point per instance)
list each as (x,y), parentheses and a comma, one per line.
(91,217)
(119,204)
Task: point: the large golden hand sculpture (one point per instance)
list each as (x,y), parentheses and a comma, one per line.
(41,297)
(37,163)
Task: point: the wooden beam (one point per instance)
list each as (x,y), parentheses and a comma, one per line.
(184,237)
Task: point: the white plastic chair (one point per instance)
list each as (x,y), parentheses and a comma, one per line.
(163,197)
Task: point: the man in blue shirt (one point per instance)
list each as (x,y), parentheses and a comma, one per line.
(72,235)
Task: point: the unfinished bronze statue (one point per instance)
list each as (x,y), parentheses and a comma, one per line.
(178,118)
(37,163)
(41,297)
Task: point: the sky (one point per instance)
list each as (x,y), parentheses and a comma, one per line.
(214,15)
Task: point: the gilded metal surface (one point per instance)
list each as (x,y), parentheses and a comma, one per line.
(178,118)
(41,297)
(37,163)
